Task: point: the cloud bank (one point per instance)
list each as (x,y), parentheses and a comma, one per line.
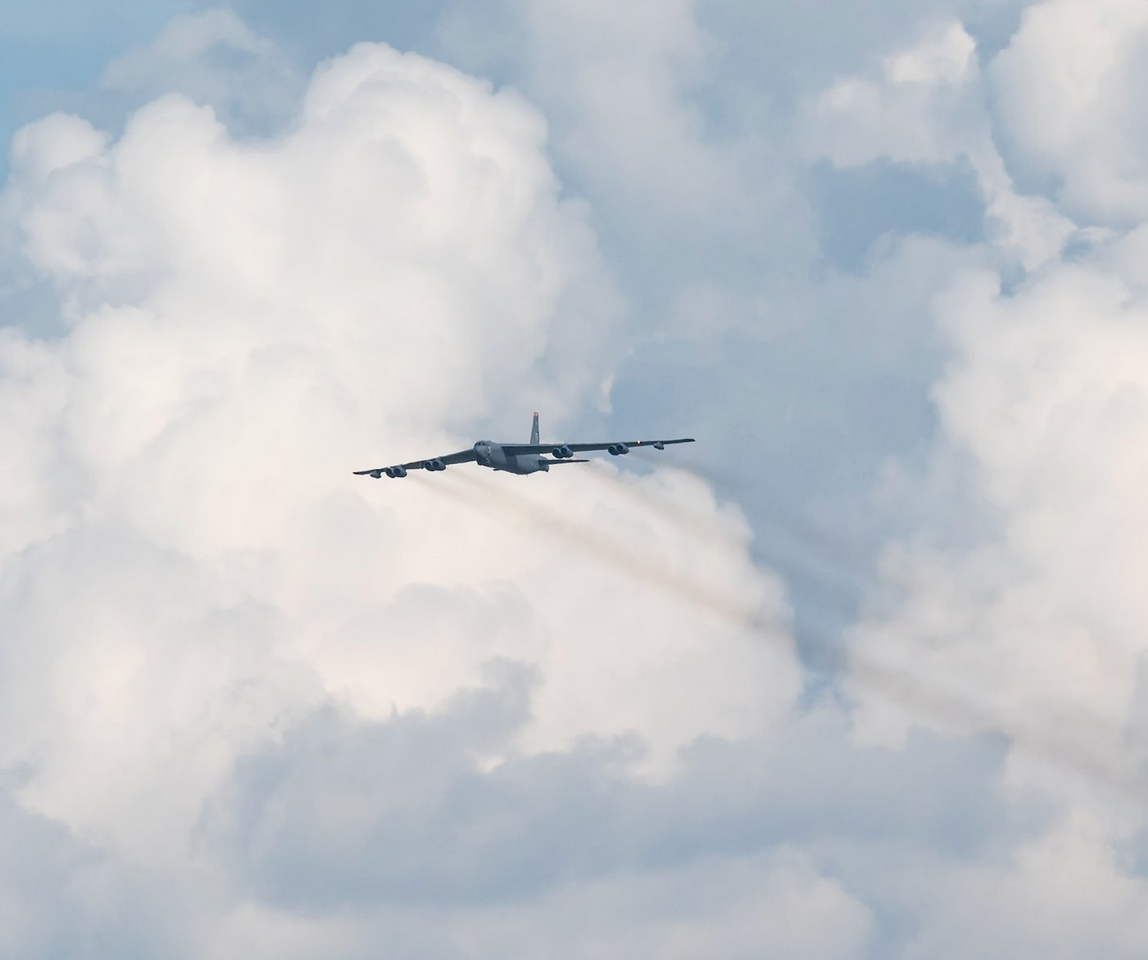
(254,706)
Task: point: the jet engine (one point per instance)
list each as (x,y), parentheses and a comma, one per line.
(435,465)
(618,449)
(393,472)
(562,453)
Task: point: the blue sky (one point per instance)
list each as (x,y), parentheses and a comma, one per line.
(857,675)
(58,50)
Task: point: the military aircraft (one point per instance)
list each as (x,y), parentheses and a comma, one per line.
(520,458)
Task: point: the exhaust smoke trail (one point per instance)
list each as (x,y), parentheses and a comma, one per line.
(787,548)
(942,703)
(785,524)
(595,544)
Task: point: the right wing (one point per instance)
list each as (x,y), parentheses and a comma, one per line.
(516,449)
(434,463)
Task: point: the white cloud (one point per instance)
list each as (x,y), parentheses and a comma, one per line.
(918,110)
(625,90)
(1015,599)
(928,106)
(616,73)
(212,57)
(922,107)
(769,905)
(1064,895)
(1068,93)
(1046,394)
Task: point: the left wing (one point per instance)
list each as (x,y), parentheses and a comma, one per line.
(434,463)
(620,446)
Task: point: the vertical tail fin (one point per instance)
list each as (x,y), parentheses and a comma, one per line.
(534,429)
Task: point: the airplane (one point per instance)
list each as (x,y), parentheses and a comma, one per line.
(519,458)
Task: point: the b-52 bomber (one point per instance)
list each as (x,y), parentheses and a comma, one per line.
(520,458)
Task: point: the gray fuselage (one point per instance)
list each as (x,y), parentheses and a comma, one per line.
(490,454)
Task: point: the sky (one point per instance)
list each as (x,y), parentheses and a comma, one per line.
(861,674)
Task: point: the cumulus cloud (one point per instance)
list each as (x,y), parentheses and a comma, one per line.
(1048,407)
(1034,610)
(255,706)
(1066,894)
(679,199)
(927,106)
(1015,596)
(1068,102)
(403,813)
(215,58)
(1027,365)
